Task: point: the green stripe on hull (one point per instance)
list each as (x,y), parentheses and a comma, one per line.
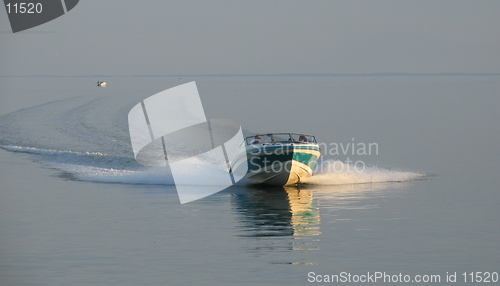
(306,158)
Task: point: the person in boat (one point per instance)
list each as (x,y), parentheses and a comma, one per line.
(257,139)
(303,138)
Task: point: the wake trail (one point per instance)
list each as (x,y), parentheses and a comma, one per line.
(335,172)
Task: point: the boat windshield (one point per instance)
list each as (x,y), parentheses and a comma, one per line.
(303,138)
(280,138)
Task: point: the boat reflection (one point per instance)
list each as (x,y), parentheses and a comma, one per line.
(280,219)
(293,213)
(264,212)
(277,211)
(305,219)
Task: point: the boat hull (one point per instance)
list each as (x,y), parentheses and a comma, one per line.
(281,164)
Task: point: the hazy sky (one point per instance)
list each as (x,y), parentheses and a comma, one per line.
(130,37)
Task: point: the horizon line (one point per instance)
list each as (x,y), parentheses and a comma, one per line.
(273,75)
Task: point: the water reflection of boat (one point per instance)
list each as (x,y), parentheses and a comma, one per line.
(266,212)
(294,210)
(288,218)
(278,211)
(305,212)
(281,158)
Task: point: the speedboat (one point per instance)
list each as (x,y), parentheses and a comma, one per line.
(281,158)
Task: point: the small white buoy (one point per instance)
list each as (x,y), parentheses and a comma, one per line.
(101,83)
